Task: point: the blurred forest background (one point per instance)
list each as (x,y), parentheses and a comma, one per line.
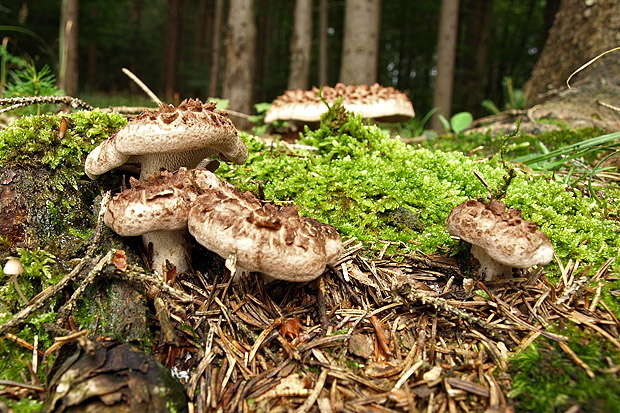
(187,48)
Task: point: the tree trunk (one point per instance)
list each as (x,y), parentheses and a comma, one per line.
(199,34)
(171,52)
(323,43)
(92,53)
(215,49)
(446,56)
(240,43)
(479,22)
(360,49)
(301,46)
(581,31)
(69,47)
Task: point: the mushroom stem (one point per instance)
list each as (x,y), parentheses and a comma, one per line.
(171,245)
(490,269)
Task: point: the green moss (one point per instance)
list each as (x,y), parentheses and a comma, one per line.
(360,179)
(59,198)
(14,358)
(546,379)
(485,144)
(24,405)
(37,139)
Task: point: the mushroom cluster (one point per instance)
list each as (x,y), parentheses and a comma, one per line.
(384,104)
(264,238)
(501,239)
(159,206)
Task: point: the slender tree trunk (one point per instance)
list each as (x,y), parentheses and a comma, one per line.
(446,56)
(323,46)
(240,43)
(69,47)
(301,46)
(92,52)
(215,49)
(360,49)
(199,32)
(479,22)
(171,51)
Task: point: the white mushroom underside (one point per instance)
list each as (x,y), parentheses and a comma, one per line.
(312,111)
(151,164)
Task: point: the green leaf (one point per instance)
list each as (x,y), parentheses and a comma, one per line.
(461,121)
(444,122)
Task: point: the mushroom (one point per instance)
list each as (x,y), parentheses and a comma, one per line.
(274,241)
(501,240)
(14,267)
(384,104)
(169,138)
(157,209)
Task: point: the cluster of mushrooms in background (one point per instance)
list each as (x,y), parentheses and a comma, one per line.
(164,207)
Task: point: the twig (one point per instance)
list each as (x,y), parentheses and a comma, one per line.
(142,86)
(65,311)
(12,383)
(576,359)
(588,64)
(19,102)
(314,395)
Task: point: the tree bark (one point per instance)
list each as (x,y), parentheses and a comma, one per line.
(478,33)
(69,47)
(215,49)
(323,43)
(171,52)
(581,31)
(446,56)
(240,43)
(301,46)
(360,49)
(92,53)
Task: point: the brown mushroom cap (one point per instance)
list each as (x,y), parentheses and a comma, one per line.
(503,234)
(273,241)
(169,138)
(161,202)
(157,209)
(384,104)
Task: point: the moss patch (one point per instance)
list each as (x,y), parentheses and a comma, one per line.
(546,379)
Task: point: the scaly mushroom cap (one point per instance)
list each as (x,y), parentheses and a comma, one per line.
(384,104)
(503,234)
(273,241)
(181,136)
(161,203)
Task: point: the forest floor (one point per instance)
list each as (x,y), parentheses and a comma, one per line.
(388,327)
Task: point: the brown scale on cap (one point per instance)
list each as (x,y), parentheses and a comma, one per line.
(384,104)
(274,241)
(501,239)
(169,138)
